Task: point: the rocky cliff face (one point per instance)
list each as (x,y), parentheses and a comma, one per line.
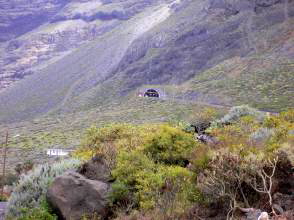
(125,44)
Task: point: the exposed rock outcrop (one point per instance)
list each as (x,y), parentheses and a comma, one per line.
(96,169)
(73,196)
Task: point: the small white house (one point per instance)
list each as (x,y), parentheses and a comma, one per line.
(57,152)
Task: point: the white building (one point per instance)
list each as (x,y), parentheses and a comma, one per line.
(57,152)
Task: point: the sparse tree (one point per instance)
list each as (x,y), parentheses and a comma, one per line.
(262,181)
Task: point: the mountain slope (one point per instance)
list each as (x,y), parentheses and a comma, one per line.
(169,43)
(36,33)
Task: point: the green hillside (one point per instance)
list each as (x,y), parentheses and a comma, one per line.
(170,45)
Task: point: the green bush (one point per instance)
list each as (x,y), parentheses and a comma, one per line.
(169,145)
(288,115)
(119,135)
(43,212)
(200,157)
(32,188)
(137,176)
(130,165)
(132,169)
(111,139)
(179,189)
(121,195)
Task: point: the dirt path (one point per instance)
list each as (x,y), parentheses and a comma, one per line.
(2,209)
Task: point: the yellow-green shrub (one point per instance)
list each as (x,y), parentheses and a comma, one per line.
(169,145)
(148,182)
(200,157)
(109,140)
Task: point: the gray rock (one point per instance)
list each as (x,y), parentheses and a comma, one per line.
(251,213)
(278,209)
(283,202)
(73,196)
(95,169)
(206,139)
(263,216)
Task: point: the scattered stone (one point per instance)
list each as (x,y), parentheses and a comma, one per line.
(278,209)
(73,196)
(284,201)
(206,139)
(251,213)
(263,216)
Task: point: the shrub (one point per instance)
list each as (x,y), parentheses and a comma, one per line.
(109,140)
(132,169)
(237,180)
(169,145)
(200,157)
(130,164)
(121,196)
(178,191)
(24,167)
(41,213)
(124,135)
(162,142)
(204,118)
(261,135)
(288,115)
(233,137)
(272,122)
(238,112)
(285,119)
(32,188)
(150,184)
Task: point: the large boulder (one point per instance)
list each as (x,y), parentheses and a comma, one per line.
(73,196)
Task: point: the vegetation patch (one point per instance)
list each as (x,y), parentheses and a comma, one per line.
(28,197)
(163,171)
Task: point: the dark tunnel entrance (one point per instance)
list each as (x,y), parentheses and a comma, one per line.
(151,93)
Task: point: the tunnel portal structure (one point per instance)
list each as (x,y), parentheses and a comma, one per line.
(151,93)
